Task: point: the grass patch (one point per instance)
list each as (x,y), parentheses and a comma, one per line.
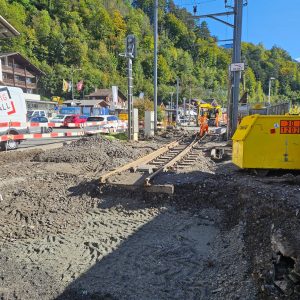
(122,136)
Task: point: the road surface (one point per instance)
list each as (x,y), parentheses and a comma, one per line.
(49,143)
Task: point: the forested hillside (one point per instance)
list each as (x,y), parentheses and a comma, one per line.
(58,35)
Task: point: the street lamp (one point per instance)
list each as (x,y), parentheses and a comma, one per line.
(171,94)
(72,71)
(270,82)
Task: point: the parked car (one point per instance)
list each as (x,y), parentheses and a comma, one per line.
(36,113)
(110,123)
(75,119)
(39,129)
(59,119)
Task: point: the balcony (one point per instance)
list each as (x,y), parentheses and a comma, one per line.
(18,71)
(19,83)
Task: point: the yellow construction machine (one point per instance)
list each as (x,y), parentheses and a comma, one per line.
(210,109)
(295,109)
(267,142)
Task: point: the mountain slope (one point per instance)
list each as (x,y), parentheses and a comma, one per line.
(89,34)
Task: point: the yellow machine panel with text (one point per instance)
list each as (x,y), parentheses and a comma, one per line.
(267,142)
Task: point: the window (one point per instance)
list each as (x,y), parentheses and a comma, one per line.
(69,119)
(29,113)
(112,118)
(95,119)
(60,117)
(21,78)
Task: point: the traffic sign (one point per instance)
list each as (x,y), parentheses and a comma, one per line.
(236,67)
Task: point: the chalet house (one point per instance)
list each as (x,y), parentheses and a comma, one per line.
(107,96)
(17,71)
(87,103)
(88,107)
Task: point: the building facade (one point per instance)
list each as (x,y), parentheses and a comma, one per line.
(107,96)
(17,71)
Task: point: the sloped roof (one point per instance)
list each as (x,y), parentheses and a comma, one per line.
(7,30)
(87,102)
(24,61)
(101,93)
(105,93)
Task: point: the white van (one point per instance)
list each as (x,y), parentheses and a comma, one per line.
(12,109)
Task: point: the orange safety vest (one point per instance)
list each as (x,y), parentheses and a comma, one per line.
(217,120)
(203,125)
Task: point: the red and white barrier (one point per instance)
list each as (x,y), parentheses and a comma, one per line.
(57,125)
(10,137)
(121,128)
(160,125)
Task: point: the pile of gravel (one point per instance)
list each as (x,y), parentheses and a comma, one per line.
(92,150)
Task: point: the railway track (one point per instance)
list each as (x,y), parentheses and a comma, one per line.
(143,171)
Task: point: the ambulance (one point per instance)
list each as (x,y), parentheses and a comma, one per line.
(12,109)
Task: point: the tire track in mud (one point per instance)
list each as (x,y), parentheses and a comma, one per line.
(64,257)
(85,246)
(160,252)
(175,255)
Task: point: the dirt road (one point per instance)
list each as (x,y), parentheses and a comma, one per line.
(64,238)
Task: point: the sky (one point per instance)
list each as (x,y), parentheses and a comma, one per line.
(271,22)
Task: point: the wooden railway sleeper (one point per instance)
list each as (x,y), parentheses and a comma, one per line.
(172,162)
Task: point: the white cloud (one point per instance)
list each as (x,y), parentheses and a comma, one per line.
(298,59)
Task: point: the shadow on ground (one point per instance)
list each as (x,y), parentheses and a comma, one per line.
(169,257)
(165,258)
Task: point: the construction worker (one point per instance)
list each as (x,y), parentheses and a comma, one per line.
(217,117)
(203,123)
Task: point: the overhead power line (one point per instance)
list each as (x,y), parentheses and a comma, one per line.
(235,10)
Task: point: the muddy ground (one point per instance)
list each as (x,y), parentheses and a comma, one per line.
(64,237)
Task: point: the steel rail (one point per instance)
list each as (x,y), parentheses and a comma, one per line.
(143,160)
(173,161)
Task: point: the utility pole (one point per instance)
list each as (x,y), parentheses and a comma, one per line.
(234,91)
(72,80)
(155,61)
(236,58)
(190,100)
(72,86)
(269,94)
(177,99)
(130,54)
(172,93)
(130,100)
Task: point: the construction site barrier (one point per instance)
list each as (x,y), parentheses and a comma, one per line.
(57,125)
(120,128)
(10,137)
(160,125)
